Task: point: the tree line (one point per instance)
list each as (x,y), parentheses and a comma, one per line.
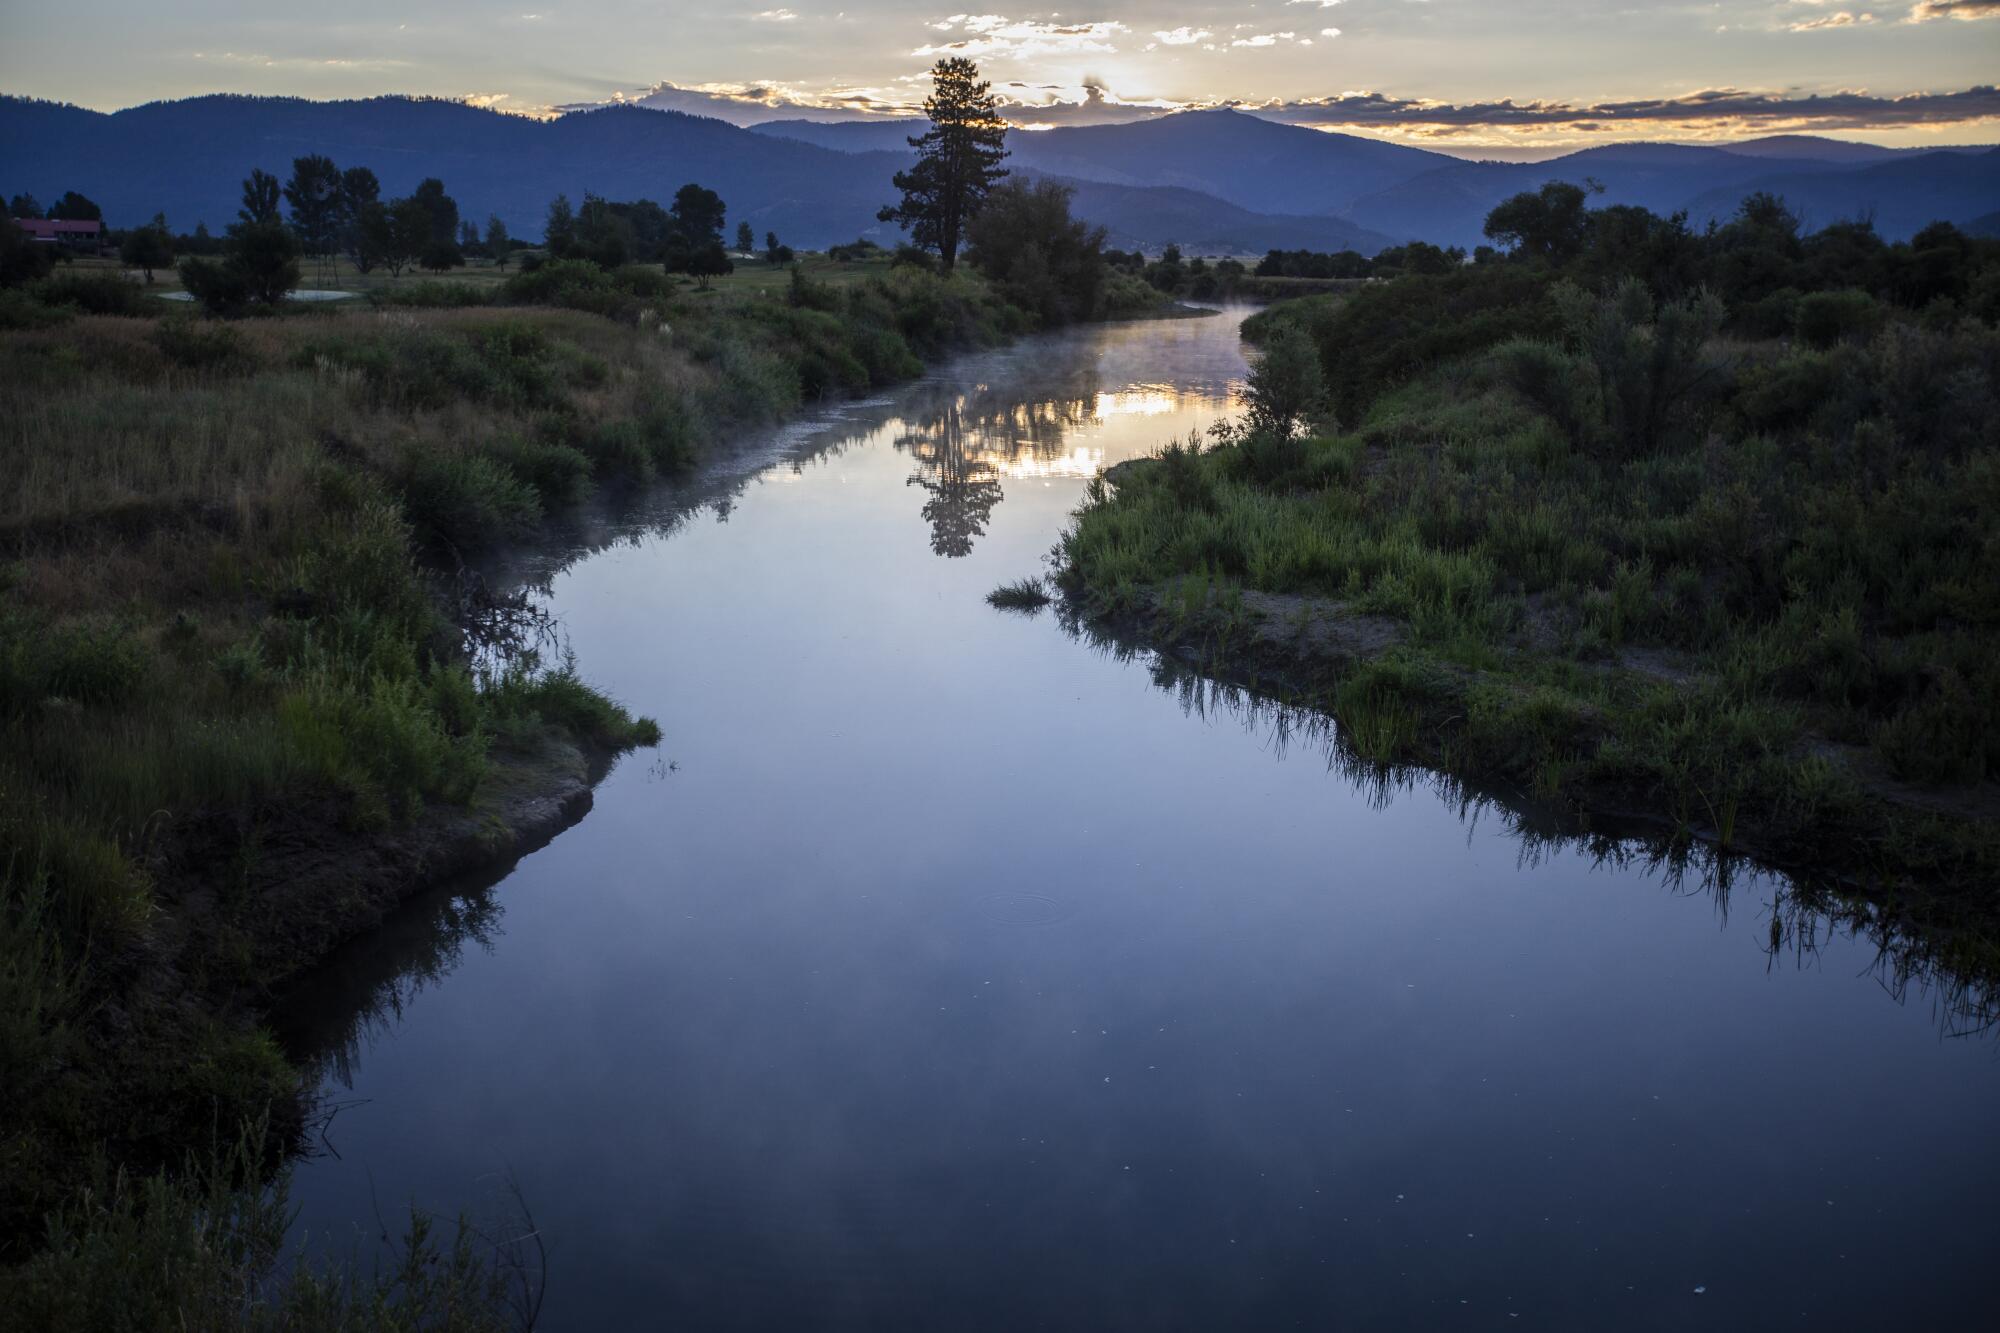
(955,202)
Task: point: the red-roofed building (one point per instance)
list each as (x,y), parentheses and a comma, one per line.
(59,231)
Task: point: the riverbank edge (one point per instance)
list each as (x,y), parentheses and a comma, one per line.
(1915,852)
(314,881)
(533,795)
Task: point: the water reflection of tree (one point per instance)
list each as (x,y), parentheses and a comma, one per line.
(362,991)
(962,487)
(1935,952)
(963,445)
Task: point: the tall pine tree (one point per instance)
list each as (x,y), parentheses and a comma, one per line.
(958,160)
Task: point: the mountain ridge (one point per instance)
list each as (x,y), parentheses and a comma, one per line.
(1215,181)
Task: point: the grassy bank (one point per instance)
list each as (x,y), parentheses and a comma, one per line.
(1622,550)
(240,709)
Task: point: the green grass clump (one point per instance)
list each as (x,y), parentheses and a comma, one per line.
(560,697)
(1020,595)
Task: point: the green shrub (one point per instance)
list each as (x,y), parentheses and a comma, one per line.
(1826,318)
(1386,333)
(561,698)
(468,501)
(1546,376)
(96,294)
(82,661)
(574,284)
(558,473)
(91,891)
(434,294)
(1772,316)
(1946,736)
(219,288)
(20,310)
(382,742)
(194,345)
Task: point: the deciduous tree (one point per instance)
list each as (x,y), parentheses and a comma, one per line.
(498,243)
(315,196)
(260,197)
(1286,387)
(696,244)
(148,248)
(1551,223)
(1042,259)
(73,207)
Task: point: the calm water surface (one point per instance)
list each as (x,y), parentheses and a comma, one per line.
(945,971)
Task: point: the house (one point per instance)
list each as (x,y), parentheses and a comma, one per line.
(58,231)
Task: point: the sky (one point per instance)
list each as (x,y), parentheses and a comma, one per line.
(1451,74)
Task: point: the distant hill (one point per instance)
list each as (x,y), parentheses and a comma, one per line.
(1214,181)
(1396,193)
(1448,206)
(1812,148)
(1251,163)
(1901,196)
(1902,191)
(849,136)
(1150,218)
(188,158)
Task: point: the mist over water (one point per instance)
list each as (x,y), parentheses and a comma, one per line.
(947,969)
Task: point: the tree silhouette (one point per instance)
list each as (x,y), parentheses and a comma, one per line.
(315,196)
(498,243)
(359,193)
(73,207)
(559,230)
(260,197)
(695,246)
(1550,223)
(958,160)
(148,248)
(442,212)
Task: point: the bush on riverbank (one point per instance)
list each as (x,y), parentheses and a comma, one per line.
(1623,556)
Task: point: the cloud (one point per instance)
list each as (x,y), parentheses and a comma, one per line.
(752,103)
(1091,104)
(773,16)
(1718,112)
(1716,109)
(1182,36)
(1843,19)
(307,63)
(994,37)
(1264,39)
(1927,10)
